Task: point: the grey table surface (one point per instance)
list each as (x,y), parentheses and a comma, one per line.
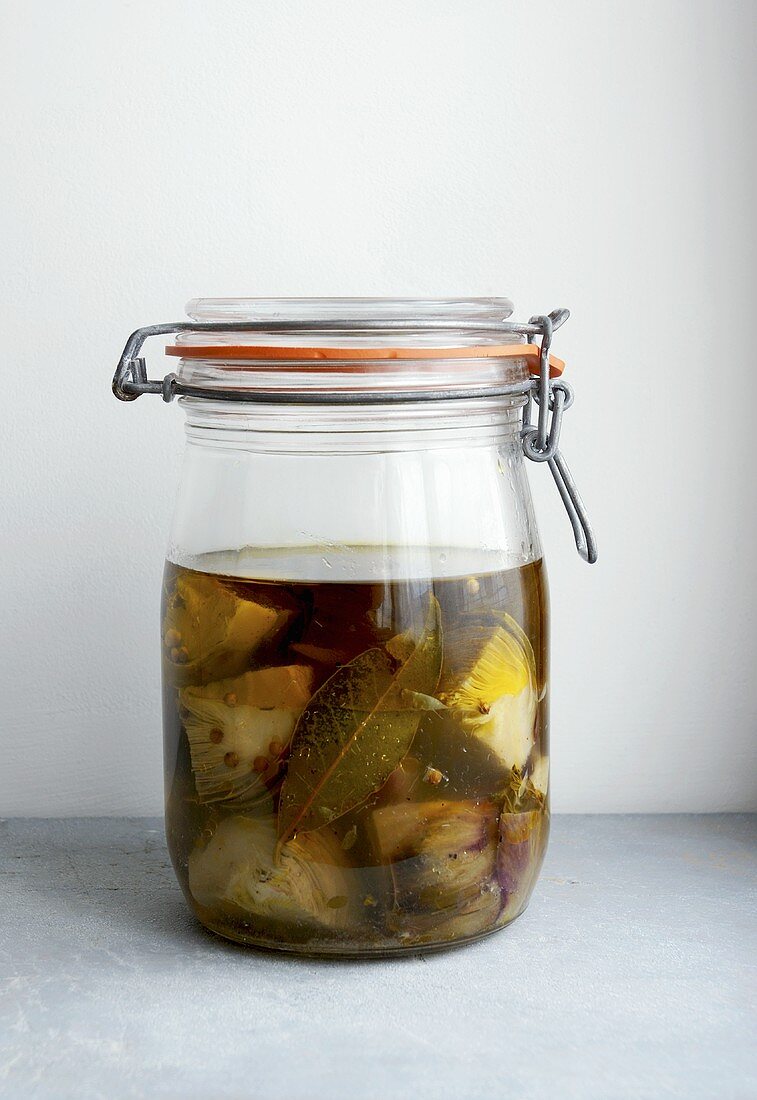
(630,975)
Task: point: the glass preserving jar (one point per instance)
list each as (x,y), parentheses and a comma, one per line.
(355,617)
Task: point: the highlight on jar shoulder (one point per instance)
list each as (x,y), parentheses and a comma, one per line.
(354,630)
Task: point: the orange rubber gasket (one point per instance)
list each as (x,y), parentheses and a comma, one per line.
(252,352)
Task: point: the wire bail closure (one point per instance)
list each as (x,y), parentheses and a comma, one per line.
(540,441)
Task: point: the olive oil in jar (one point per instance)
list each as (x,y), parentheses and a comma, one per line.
(355,766)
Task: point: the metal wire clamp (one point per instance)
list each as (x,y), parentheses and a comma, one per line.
(540,441)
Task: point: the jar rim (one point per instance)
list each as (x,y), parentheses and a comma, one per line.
(345,328)
(369,310)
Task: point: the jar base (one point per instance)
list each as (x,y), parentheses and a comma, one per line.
(338,952)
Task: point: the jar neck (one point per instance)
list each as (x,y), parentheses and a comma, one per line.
(475,422)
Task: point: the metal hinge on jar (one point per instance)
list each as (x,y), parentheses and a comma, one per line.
(540,441)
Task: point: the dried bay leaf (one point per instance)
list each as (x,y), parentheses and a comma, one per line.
(357,728)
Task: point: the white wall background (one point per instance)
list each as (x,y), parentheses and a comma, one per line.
(595,153)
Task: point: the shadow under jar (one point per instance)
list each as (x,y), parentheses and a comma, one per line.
(354,626)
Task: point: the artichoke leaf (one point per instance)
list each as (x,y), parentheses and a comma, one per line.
(358,727)
(232,725)
(520,795)
(493,686)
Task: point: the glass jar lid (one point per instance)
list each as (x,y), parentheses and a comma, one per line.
(355,322)
(363,345)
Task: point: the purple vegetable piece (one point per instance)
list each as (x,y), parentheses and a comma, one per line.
(522,841)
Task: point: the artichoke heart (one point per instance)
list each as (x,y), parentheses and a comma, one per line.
(237,729)
(309,884)
(443,862)
(496,691)
(209,631)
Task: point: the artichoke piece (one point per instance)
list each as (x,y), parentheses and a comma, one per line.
(540,774)
(309,885)
(443,861)
(518,794)
(324,662)
(522,844)
(210,632)
(238,729)
(494,688)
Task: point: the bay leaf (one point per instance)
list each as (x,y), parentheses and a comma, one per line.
(358,726)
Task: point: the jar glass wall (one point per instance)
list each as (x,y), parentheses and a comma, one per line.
(355,671)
